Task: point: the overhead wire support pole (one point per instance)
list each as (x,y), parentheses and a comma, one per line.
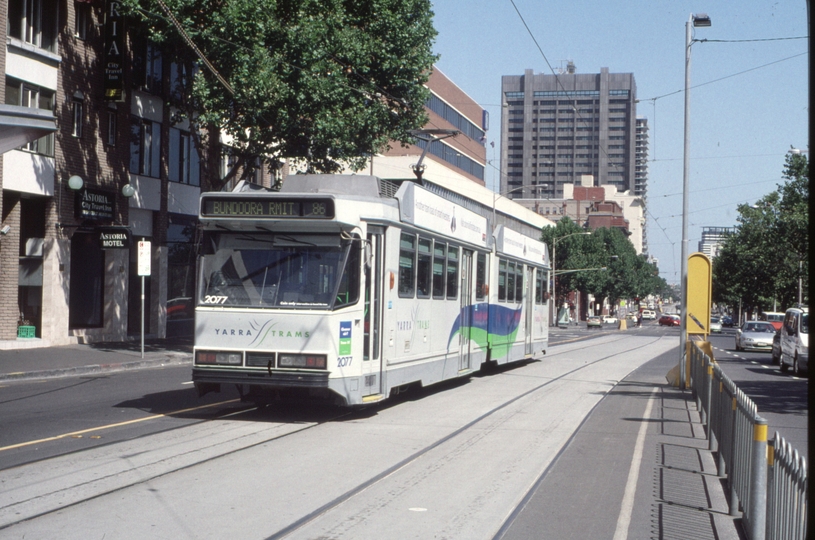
(693,20)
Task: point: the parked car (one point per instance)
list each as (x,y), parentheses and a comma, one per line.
(727,321)
(755,336)
(715,325)
(593,321)
(795,340)
(609,319)
(670,320)
(648,314)
(776,357)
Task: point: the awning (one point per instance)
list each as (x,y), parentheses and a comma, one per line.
(21,125)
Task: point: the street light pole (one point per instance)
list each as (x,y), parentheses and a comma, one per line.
(693,20)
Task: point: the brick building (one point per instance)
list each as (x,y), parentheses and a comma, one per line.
(117,170)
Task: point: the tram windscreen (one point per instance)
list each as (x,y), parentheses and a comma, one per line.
(266,270)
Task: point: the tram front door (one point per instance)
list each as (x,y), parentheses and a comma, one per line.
(466,309)
(372,357)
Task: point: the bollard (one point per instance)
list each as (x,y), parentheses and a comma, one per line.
(758,481)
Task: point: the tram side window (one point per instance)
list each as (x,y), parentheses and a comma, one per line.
(452,273)
(519,282)
(502,280)
(510,281)
(480,275)
(439,255)
(407,270)
(423,269)
(539,285)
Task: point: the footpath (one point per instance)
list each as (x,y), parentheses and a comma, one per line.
(32,362)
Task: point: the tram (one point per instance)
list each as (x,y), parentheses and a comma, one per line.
(351,288)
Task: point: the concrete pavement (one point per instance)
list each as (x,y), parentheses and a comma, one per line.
(68,360)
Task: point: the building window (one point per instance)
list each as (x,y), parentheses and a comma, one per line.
(34,22)
(183,160)
(77,109)
(82,19)
(28,95)
(145,147)
(147,62)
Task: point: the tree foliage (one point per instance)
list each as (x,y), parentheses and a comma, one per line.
(760,264)
(328,81)
(627,274)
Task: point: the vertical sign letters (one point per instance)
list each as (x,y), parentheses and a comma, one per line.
(114,52)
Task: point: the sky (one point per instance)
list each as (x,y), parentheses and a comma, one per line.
(748,97)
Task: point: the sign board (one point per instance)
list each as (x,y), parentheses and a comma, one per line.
(699,294)
(144,258)
(114,237)
(114,61)
(95,204)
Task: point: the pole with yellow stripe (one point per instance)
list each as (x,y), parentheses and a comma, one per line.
(758,481)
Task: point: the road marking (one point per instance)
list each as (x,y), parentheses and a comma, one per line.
(188,382)
(624,519)
(78,434)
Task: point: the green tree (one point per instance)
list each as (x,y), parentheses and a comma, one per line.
(328,81)
(760,264)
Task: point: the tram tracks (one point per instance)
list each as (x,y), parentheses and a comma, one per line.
(187,454)
(350,494)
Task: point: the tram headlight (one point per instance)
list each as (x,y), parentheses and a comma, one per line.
(221,358)
(308,361)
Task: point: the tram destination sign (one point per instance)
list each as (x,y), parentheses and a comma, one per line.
(279,207)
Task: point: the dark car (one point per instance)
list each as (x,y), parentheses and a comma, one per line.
(670,320)
(727,321)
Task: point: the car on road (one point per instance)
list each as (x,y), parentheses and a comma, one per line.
(795,340)
(727,321)
(648,314)
(670,320)
(609,319)
(593,321)
(715,324)
(755,336)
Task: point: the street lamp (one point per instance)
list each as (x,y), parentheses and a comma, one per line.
(552,282)
(701,20)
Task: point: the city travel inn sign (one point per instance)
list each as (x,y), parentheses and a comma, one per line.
(95,204)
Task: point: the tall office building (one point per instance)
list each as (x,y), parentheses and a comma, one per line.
(713,238)
(641,171)
(557,128)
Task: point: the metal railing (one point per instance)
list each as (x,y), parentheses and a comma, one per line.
(766,480)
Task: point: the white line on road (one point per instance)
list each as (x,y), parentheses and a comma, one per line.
(624,520)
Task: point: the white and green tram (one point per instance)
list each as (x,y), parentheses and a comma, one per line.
(336,286)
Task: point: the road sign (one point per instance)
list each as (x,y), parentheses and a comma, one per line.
(699,294)
(144,258)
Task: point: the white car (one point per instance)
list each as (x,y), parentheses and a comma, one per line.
(649,315)
(609,319)
(715,324)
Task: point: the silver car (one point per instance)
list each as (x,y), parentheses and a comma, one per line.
(755,336)
(715,324)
